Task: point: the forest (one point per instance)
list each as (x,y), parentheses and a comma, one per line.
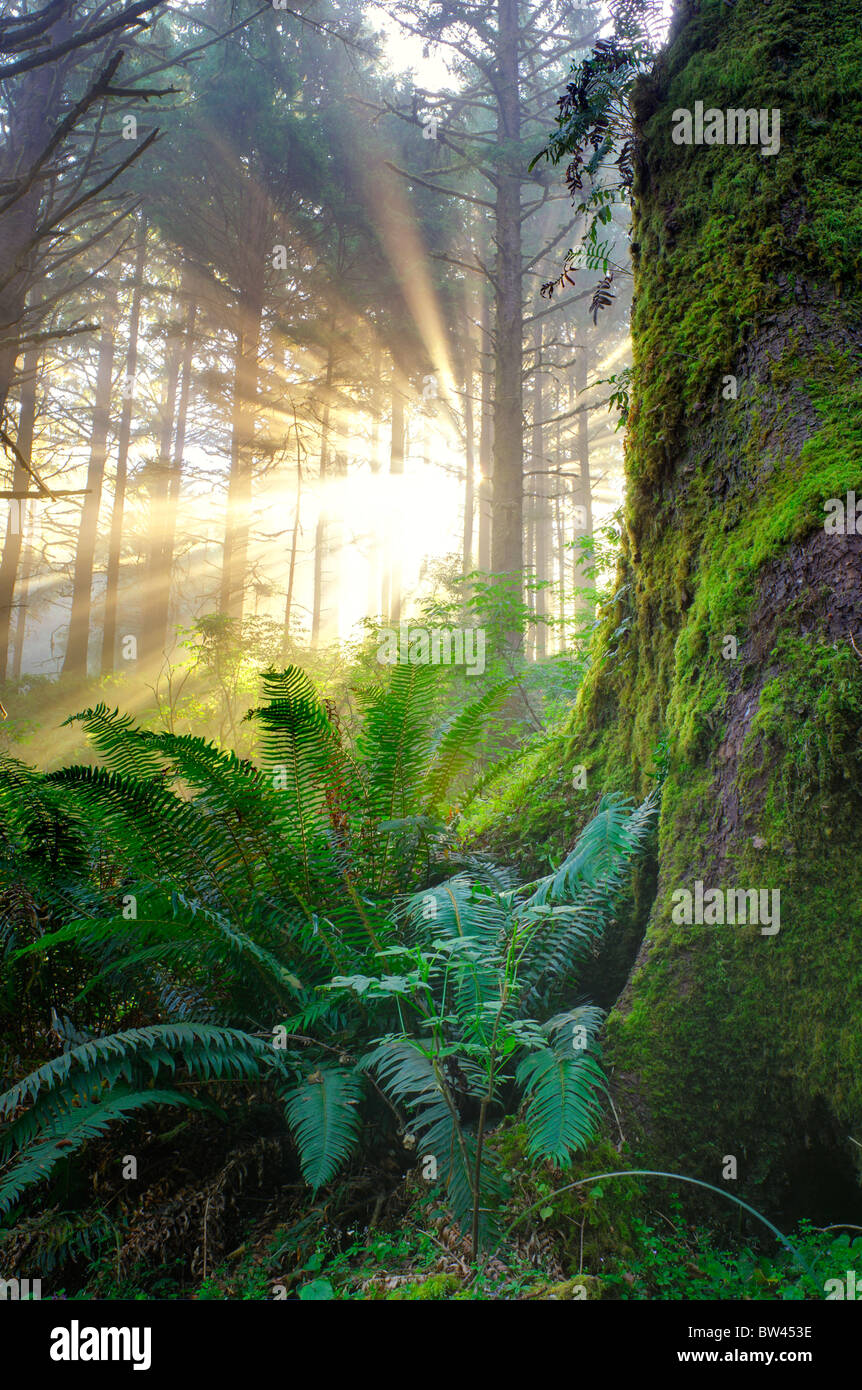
(430,653)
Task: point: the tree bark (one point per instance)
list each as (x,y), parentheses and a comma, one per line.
(507,551)
(17,509)
(486,439)
(77,643)
(115,541)
(731,655)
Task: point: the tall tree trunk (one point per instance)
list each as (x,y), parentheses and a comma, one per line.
(158,473)
(469,459)
(169,482)
(115,541)
(321,530)
(486,438)
(559,504)
(23,593)
(176,479)
(17,508)
(77,643)
(507,552)
(583,494)
(530,595)
(730,658)
(540,491)
(35,112)
(243,413)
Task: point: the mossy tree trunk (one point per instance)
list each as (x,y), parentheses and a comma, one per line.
(745,421)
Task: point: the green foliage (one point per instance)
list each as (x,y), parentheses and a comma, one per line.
(264,918)
(688,1263)
(562,1089)
(476,955)
(595,123)
(75,1097)
(623,1249)
(323,1114)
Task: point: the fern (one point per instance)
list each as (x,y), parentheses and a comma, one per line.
(324,1117)
(298,749)
(72,1129)
(457,744)
(306,890)
(118,741)
(415,1080)
(563,1085)
(571,908)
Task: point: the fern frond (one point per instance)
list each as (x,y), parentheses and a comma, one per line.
(563,1102)
(458,907)
(412,1079)
(119,742)
(571,908)
(298,751)
(205,1050)
(603,850)
(323,1113)
(456,747)
(395,741)
(73,1128)
(168,840)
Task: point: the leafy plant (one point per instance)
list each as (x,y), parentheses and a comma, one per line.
(180,886)
(481,972)
(595,127)
(306,925)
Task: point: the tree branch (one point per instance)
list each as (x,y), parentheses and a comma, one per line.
(129,18)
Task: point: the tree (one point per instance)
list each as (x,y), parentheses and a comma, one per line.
(75,661)
(115,539)
(17,513)
(57,164)
(729,655)
(506,53)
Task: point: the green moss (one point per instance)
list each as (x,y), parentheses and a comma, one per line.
(438,1286)
(729,238)
(738,1036)
(727,1041)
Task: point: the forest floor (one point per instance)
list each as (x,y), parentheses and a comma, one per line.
(216,1220)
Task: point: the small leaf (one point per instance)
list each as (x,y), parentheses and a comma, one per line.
(318,1290)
